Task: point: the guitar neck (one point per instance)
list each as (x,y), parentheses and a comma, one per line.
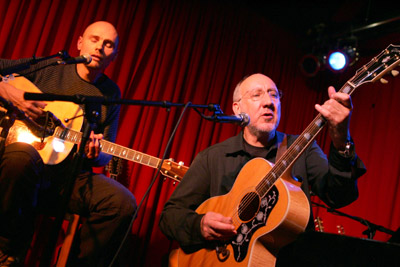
(110,148)
(372,71)
(291,155)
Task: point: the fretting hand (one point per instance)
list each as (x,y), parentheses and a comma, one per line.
(337,110)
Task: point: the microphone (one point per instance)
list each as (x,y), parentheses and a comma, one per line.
(242,119)
(85,58)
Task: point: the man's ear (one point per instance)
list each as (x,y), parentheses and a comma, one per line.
(79,43)
(236,108)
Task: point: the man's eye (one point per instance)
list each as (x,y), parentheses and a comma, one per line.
(109,44)
(257,93)
(273,93)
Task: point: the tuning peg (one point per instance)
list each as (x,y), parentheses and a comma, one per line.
(395,73)
(384,81)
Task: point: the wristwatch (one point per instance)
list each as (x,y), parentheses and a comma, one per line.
(348,151)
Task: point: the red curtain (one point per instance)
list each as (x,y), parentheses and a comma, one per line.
(196,51)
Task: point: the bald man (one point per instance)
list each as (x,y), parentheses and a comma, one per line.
(28,184)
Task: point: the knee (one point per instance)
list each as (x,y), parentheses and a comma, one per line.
(22,158)
(126,202)
(22,153)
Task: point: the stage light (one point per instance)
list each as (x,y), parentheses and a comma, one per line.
(310,65)
(333,55)
(337,60)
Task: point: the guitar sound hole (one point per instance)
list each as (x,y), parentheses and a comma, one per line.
(249,206)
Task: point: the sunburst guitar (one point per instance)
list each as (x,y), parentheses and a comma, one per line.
(55,134)
(266,204)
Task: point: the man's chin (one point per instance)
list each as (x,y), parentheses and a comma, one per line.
(261,130)
(94,66)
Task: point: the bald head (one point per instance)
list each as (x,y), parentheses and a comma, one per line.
(103,27)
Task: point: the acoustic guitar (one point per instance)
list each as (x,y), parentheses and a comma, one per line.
(54,137)
(266,204)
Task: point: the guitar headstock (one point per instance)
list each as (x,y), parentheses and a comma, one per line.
(173,170)
(379,66)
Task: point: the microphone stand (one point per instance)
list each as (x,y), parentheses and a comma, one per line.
(218,115)
(370,231)
(76,167)
(81,99)
(26,65)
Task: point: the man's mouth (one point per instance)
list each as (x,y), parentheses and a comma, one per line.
(96,57)
(267,116)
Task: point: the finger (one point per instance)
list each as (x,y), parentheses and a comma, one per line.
(331,91)
(212,234)
(33,111)
(39,104)
(342,98)
(222,226)
(96,148)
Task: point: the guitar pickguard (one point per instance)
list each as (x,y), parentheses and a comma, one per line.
(246,230)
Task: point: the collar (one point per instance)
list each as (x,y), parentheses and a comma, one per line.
(237,143)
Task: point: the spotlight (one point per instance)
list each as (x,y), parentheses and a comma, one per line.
(339,60)
(310,65)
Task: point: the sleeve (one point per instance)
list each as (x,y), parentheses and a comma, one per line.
(334,180)
(179,220)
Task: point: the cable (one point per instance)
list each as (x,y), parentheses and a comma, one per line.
(151,184)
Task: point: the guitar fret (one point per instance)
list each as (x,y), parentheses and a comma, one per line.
(123,152)
(131,155)
(145,159)
(138,157)
(117,150)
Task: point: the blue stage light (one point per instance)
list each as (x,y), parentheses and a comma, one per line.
(337,61)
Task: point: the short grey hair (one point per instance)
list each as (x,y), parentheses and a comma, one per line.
(237,95)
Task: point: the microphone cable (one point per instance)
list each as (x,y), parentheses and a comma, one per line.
(151,183)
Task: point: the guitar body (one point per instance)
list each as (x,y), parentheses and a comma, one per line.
(264,224)
(52,150)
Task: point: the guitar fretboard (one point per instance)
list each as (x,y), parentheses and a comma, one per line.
(109,148)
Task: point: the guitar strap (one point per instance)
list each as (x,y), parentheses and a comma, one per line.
(282,147)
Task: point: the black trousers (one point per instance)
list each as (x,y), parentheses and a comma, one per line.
(28,186)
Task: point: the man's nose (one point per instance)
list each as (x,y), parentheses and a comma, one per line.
(266,99)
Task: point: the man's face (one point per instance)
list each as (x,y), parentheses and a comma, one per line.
(261,101)
(100,41)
